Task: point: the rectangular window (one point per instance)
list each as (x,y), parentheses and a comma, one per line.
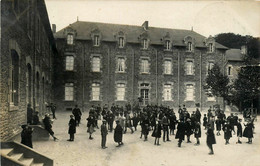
(189,92)
(211,48)
(168,45)
(167,92)
(69,92)
(167,67)
(70,39)
(121,64)
(144,66)
(69,63)
(229,70)
(14,84)
(96,64)
(210,66)
(145,44)
(189,46)
(120,91)
(96,40)
(121,42)
(189,67)
(96,91)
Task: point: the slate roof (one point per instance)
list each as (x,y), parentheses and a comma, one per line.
(133,33)
(234,55)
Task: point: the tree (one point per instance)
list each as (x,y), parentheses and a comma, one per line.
(246,87)
(231,40)
(217,83)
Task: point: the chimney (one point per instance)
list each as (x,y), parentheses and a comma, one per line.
(53,28)
(145,25)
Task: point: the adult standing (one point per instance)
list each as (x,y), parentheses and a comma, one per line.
(77,114)
(26,136)
(227,131)
(180,132)
(104,133)
(29,114)
(110,120)
(165,122)
(72,128)
(248,132)
(53,110)
(210,139)
(118,134)
(239,131)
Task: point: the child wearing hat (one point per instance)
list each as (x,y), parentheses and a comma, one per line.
(104,133)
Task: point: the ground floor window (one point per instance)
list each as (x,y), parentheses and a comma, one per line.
(120,92)
(96,91)
(69,92)
(190,92)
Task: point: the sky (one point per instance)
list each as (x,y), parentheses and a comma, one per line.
(205,17)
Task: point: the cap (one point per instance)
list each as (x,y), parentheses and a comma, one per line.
(103,120)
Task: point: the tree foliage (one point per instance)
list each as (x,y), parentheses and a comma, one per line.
(216,83)
(247,85)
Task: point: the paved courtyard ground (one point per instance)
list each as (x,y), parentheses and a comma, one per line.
(136,152)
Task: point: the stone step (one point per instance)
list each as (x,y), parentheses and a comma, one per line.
(7,151)
(26,161)
(16,156)
(37,164)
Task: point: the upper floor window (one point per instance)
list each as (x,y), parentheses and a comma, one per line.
(167,92)
(70,39)
(189,46)
(120,91)
(96,64)
(95,91)
(229,70)
(210,66)
(168,45)
(145,44)
(96,40)
(14,73)
(211,47)
(121,64)
(69,92)
(189,92)
(121,42)
(144,66)
(189,67)
(167,67)
(69,63)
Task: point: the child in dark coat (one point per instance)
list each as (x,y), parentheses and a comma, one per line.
(239,131)
(157,132)
(210,139)
(72,128)
(205,121)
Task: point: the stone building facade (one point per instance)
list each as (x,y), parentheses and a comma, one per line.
(27,51)
(110,63)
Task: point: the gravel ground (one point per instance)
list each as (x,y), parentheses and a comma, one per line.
(136,152)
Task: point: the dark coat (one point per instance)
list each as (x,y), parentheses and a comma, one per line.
(145,126)
(118,134)
(47,125)
(188,127)
(72,126)
(210,137)
(26,137)
(135,120)
(218,124)
(103,130)
(239,130)
(205,121)
(197,132)
(248,132)
(172,122)
(180,131)
(227,131)
(77,113)
(157,132)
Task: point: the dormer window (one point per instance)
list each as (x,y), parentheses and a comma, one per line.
(189,46)
(96,40)
(145,44)
(121,42)
(70,39)
(168,45)
(211,47)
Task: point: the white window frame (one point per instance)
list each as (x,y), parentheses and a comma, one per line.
(167,66)
(95,92)
(121,42)
(190,92)
(120,91)
(96,40)
(168,45)
(121,66)
(210,65)
(167,92)
(144,66)
(211,47)
(70,39)
(145,44)
(69,63)
(190,45)
(69,92)
(96,64)
(189,65)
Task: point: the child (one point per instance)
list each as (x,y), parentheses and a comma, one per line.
(205,120)
(218,125)
(239,131)
(197,132)
(157,132)
(210,139)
